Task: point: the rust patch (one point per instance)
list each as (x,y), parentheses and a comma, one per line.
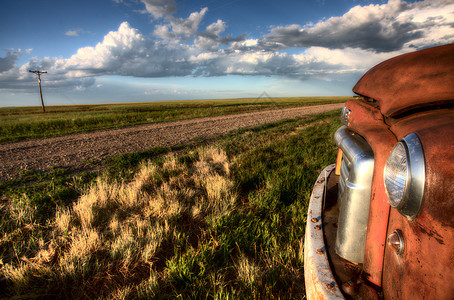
(321,251)
(432,234)
(315,220)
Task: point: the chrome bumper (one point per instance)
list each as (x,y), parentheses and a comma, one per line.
(319,278)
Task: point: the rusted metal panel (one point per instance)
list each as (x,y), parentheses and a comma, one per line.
(426,267)
(320,281)
(368,122)
(412,80)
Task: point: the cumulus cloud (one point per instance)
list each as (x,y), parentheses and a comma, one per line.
(128,52)
(210,39)
(9,61)
(181,28)
(125,52)
(437,20)
(18,78)
(330,49)
(160,8)
(313,62)
(386,27)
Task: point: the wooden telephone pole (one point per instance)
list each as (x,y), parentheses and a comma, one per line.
(39,84)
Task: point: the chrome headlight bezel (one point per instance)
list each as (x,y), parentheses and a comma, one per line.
(412,191)
(345,115)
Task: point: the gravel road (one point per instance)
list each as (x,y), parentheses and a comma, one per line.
(75,149)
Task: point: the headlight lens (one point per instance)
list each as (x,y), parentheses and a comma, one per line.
(404,176)
(396,174)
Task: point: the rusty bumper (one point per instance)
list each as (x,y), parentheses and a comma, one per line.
(320,281)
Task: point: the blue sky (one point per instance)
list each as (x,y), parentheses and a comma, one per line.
(147,50)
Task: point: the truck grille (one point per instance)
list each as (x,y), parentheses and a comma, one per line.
(354,194)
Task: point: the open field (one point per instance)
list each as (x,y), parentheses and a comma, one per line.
(19,123)
(223,220)
(87,150)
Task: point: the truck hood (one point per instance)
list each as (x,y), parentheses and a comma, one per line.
(414,80)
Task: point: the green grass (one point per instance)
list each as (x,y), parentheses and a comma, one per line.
(19,123)
(220,221)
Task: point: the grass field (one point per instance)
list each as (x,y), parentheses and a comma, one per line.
(223,220)
(18,123)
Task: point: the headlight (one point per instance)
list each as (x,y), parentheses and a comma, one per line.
(396,174)
(405,175)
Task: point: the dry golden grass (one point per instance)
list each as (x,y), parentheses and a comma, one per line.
(118,230)
(248,272)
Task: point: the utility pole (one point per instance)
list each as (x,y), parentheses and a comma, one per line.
(39,84)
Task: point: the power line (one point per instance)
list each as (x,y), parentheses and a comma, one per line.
(39,84)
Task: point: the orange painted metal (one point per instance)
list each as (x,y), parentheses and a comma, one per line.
(338,161)
(367,121)
(409,81)
(426,267)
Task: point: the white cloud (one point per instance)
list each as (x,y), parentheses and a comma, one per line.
(160,8)
(216,28)
(9,61)
(210,39)
(124,52)
(108,55)
(354,58)
(178,28)
(337,47)
(72,32)
(387,27)
(437,19)
(206,56)
(189,26)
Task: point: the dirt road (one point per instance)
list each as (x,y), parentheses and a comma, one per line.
(73,150)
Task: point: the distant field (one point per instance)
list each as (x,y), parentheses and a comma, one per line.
(19,123)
